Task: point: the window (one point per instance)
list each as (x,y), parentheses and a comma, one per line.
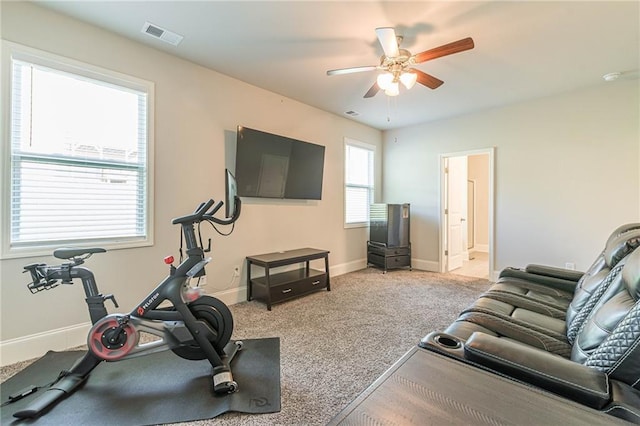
(79,144)
(359,182)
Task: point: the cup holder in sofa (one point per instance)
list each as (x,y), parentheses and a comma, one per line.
(443,343)
(447,341)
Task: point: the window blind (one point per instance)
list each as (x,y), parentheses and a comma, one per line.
(359,182)
(78,158)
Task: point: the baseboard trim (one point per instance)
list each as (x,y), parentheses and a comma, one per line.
(345,268)
(232,295)
(239,294)
(36,345)
(484,248)
(425,265)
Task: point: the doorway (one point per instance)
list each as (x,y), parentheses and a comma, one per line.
(466,213)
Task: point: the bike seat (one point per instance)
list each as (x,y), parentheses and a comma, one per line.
(68,253)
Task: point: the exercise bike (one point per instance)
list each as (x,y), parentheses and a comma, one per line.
(193,326)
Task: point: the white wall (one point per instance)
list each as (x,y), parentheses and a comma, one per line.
(197,111)
(566,173)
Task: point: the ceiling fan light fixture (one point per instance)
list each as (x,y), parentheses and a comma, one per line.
(408,79)
(612,76)
(384,80)
(393,89)
(395,64)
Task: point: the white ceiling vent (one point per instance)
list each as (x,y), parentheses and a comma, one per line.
(161,34)
(352,113)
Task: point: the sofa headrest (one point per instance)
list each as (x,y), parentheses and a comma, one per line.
(631,274)
(620,246)
(621,230)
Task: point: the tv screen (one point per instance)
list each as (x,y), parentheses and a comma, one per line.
(230,194)
(273,166)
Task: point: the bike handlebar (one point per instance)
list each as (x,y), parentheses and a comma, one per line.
(196,216)
(227,221)
(201,213)
(213,210)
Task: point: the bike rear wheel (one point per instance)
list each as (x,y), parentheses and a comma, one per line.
(218,317)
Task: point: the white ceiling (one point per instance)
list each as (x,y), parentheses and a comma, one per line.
(523,50)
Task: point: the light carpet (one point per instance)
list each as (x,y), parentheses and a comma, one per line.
(335,344)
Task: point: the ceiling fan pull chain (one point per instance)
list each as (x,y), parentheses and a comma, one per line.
(391,108)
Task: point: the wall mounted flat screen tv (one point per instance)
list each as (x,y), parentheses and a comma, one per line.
(273,166)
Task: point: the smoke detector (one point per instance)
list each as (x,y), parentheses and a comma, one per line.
(162,34)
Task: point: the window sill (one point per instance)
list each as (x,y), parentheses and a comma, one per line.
(47,250)
(356,225)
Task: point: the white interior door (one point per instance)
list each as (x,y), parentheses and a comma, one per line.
(450,236)
(456,210)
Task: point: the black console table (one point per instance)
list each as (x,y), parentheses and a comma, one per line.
(424,388)
(281,286)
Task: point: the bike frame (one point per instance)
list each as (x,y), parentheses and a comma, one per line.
(177,326)
(146,317)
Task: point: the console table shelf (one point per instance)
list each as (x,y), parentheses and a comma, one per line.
(281,286)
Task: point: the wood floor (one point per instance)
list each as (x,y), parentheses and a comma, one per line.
(477,265)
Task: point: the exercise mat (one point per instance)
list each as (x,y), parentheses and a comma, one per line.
(158,388)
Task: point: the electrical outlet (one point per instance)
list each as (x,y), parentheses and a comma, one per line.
(570,265)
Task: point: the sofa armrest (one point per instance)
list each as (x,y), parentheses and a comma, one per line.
(553,272)
(539,368)
(625,402)
(549,281)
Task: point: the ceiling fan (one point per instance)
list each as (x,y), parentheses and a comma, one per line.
(396,64)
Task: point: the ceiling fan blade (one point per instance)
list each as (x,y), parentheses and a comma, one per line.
(373,91)
(351,70)
(388,41)
(427,80)
(444,50)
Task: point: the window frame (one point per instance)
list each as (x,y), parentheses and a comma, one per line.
(372,188)
(13,51)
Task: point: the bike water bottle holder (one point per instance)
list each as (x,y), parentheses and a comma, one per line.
(38,287)
(39,281)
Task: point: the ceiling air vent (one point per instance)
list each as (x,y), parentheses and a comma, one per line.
(352,113)
(161,34)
